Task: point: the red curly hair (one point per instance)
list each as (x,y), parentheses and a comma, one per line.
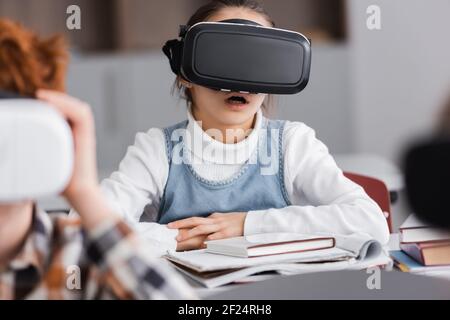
(28,62)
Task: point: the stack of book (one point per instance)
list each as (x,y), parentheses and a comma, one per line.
(424,249)
(237,260)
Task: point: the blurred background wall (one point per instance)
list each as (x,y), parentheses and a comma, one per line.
(370,91)
(400,75)
(118,25)
(118,67)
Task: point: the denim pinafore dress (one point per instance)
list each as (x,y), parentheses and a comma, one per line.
(258,185)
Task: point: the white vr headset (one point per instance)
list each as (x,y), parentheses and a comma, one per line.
(36,150)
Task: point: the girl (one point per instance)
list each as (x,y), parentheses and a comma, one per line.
(220,188)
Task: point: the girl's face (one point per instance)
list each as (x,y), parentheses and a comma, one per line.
(227,109)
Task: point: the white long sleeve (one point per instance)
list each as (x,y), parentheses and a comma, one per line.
(139,182)
(322,198)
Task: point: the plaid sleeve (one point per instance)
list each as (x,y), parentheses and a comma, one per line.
(126,268)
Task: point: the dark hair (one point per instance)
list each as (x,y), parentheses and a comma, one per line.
(204,13)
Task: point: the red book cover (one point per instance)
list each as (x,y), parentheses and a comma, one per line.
(436,253)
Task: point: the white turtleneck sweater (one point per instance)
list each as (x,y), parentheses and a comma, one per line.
(323,199)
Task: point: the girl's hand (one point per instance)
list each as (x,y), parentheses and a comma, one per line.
(193,243)
(83,191)
(80,118)
(214,227)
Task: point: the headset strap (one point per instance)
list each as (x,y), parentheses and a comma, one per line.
(173,50)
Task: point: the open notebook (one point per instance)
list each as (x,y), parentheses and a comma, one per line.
(356,251)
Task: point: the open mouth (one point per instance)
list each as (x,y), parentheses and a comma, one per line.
(237,100)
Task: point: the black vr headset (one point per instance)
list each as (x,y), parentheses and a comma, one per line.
(242,56)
